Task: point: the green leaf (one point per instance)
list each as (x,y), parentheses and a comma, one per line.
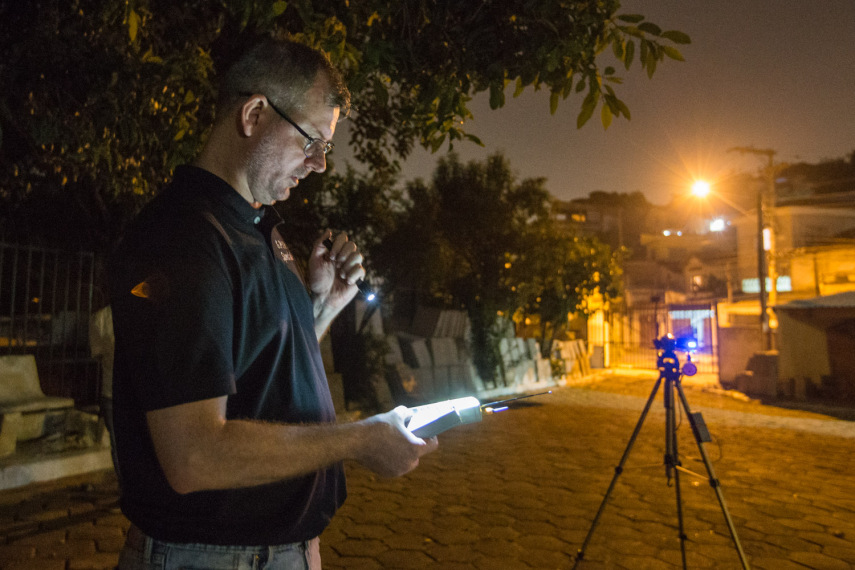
(149,57)
(606,116)
(672,52)
(651,68)
(497,96)
(617,47)
(553,102)
(280,7)
(676,37)
(588,107)
(474,139)
(519,87)
(650,28)
(133,25)
(631,18)
(631,31)
(624,110)
(630,53)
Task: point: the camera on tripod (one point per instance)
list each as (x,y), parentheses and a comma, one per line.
(670,343)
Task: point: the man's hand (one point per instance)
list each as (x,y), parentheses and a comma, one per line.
(333,272)
(390,449)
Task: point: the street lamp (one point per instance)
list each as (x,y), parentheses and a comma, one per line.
(766,242)
(702,189)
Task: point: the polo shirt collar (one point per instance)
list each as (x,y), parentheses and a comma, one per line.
(221,191)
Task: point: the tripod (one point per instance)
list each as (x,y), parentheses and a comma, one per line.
(669,371)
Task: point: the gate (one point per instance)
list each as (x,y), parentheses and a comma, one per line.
(633,333)
(46,299)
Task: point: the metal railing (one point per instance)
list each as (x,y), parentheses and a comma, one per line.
(635,330)
(46,300)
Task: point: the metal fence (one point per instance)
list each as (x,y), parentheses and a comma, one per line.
(46,299)
(633,333)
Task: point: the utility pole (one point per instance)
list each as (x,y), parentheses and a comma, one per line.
(766,262)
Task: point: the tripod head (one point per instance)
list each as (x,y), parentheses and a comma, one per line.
(667,360)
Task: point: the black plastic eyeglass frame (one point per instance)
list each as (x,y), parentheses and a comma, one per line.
(327,145)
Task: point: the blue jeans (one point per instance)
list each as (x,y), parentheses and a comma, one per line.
(142,552)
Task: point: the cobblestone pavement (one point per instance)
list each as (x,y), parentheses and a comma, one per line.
(520,489)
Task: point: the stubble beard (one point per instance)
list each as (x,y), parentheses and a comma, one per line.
(266,181)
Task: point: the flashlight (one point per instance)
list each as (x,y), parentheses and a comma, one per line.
(363,287)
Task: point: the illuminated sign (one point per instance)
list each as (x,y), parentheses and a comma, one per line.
(753,285)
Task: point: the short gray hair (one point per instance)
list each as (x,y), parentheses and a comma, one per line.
(283,71)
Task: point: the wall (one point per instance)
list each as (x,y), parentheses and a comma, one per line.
(803,351)
(736,346)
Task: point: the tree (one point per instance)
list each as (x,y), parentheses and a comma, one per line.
(102,100)
(557,272)
(454,244)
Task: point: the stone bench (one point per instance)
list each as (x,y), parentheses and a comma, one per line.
(23,406)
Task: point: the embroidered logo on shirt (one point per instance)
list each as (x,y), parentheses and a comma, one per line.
(283,251)
(154,288)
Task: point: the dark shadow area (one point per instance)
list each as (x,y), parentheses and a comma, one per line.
(841,411)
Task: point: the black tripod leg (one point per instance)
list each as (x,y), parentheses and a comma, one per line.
(580,554)
(714,482)
(672,458)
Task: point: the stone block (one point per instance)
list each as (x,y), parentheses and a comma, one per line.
(421,353)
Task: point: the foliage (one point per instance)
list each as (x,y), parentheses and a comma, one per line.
(557,272)
(476,239)
(825,177)
(629,212)
(102,100)
(365,207)
(98,110)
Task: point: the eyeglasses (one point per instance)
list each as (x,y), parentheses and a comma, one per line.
(315,146)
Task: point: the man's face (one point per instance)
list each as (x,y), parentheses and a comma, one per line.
(278,163)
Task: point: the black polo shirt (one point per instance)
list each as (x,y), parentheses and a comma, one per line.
(205,305)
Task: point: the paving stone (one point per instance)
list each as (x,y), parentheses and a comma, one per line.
(370,547)
(819,560)
(765,563)
(92,531)
(492,547)
(99,561)
(40,564)
(352,563)
(367,531)
(43,538)
(454,553)
(642,563)
(45,515)
(495,562)
(65,550)
(404,559)
(12,552)
(405,541)
(451,536)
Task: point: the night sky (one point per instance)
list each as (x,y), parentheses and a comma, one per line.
(776,74)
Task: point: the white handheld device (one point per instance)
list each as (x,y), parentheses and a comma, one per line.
(432,419)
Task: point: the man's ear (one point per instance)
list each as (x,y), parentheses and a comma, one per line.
(249,115)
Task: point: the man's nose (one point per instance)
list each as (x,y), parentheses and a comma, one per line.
(317,162)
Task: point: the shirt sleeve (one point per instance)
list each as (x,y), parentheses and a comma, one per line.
(180,320)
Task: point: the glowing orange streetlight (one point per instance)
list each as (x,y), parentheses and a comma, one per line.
(701,188)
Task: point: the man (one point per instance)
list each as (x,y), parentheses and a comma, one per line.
(228,451)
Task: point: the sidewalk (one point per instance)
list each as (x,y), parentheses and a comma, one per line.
(520,489)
